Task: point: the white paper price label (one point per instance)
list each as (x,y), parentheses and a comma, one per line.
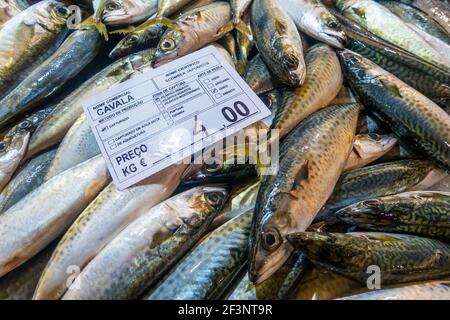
(166,114)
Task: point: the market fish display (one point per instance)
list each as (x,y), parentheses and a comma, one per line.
(100,222)
(414,117)
(433,290)
(77,51)
(321,284)
(26,180)
(227,225)
(323,82)
(20,283)
(150,245)
(369,147)
(258,76)
(418,19)
(206,272)
(279,286)
(25,43)
(241,200)
(15,143)
(33,222)
(77,146)
(197,28)
(314,19)
(311,160)
(145,36)
(53,129)
(401,258)
(238,8)
(278,42)
(379,180)
(125,12)
(424,213)
(420,75)
(437,9)
(379,20)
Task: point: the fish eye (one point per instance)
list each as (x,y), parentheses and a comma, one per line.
(2,146)
(167,45)
(113,5)
(271,240)
(62,11)
(24,124)
(291,61)
(133,39)
(374,136)
(371,203)
(213,167)
(213,198)
(333,24)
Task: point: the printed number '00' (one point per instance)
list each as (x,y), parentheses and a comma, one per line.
(232,114)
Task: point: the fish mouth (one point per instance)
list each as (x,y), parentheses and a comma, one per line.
(161,59)
(335,39)
(262,267)
(117,18)
(117,52)
(192,174)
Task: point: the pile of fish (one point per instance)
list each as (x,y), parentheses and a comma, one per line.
(358,207)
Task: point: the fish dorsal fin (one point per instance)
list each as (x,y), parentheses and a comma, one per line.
(280,27)
(391,87)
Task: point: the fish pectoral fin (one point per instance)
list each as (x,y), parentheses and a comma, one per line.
(237,24)
(98,24)
(391,87)
(302,175)
(360,12)
(280,27)
(243,28)
(126,31)
(227,27)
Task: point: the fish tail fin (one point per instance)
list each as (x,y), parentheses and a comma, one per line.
(126,31)
(227,27)
(169,23)
(243,28)
(98,24)
(241,66)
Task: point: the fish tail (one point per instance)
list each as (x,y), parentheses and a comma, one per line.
(98,24)
(126,31)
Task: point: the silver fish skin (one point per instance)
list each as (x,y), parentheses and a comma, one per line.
(11,153)
(26,180)
(419,122)
(379,20)
(20,283)
(76,51)
(149,246)
(28,39)
(99,223)
(78,145)
(312,158)
(126,12)
(278,42)
(199,27)
(314,19)
(33,222)
(207,270)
